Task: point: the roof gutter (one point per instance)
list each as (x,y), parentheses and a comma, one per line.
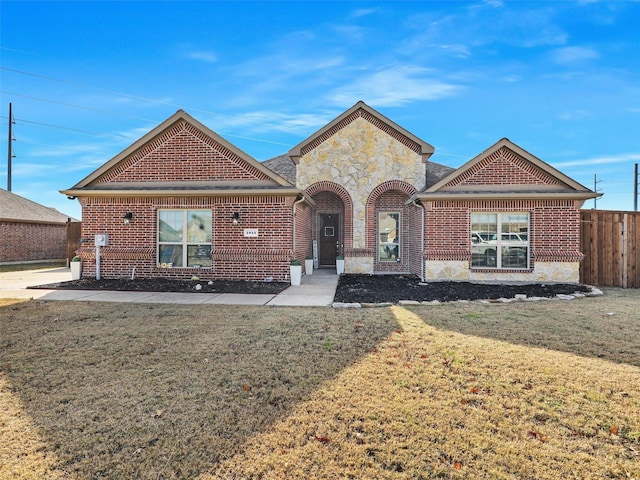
(428,196)
(288,192)
(417,203)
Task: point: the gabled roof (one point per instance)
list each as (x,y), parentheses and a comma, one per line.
(92,184)
(283,166)
(14,208)
(420,146)
(560,186)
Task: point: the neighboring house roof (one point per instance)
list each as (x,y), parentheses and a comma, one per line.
(100,181)
(417,144)
(14,208)
(551,184)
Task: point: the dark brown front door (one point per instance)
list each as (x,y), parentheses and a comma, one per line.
(329,239)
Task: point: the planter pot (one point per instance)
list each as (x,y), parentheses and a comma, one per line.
(296,274)
(340,266)
(76,270)
(308,266)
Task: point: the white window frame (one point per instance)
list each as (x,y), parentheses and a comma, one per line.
(184,242)
(384,246)
(486,247)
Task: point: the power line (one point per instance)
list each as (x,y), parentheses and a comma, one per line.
(135,97)
(107,136)
(81,107)
(595,189)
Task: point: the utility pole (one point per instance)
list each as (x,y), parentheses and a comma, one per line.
(635,188)
(10,141)
(595,189)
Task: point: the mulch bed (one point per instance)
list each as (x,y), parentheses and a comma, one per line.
(351,288)
(393,288)
(169,285)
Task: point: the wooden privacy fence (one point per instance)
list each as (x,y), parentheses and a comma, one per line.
(610,241)
(73,239)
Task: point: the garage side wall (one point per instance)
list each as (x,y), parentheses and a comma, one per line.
(26,242)
(235,255)
(554,240)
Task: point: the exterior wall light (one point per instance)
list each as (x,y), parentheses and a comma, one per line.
(235,218)
(127,218)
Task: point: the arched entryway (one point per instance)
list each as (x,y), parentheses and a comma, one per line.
(331,221)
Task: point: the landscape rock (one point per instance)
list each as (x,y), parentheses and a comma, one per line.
(346,305)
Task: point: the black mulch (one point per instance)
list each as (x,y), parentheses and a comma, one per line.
(351,288)
(169,285)
(393,288)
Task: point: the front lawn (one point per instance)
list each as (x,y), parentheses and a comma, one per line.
(461,390)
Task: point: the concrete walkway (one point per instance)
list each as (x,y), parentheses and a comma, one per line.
(315,290)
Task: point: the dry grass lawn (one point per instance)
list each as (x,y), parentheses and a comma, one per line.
(539,390)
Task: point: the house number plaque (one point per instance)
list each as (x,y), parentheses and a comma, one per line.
(250,232)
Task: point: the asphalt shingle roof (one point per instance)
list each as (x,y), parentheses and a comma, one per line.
(17,208)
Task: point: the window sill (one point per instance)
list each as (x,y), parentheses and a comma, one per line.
(501,270)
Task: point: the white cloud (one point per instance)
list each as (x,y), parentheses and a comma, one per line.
(263,121)
(393,87)
(573,55)
(577,114)
(201,55)
(362,12)
(622,158)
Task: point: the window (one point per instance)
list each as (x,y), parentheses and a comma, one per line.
(388,241)
(500,240)
(184,238)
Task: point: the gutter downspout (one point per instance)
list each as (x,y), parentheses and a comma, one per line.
(293,213)
(417,203)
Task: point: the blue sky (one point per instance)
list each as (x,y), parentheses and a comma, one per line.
(86,79)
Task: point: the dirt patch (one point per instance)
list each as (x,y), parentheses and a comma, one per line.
(393,288)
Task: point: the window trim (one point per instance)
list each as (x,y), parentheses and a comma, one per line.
(396,245)
(184,243)
(499,246)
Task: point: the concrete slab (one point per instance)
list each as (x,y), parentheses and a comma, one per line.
(68,295)
(24,294)
(29,278)
(126,297)
(241,299)
(282,300)
(320,289)
(181,298)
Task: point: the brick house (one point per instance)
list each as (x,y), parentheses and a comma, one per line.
(31,232)
(183,201)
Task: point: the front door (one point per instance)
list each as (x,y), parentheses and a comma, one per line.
(329,239)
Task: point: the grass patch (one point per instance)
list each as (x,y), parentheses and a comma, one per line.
(102,390)
(19,267)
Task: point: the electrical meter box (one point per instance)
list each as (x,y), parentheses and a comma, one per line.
(102,240)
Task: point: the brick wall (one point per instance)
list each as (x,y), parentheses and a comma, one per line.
(391,196)
(183,153)
(22,242)
(504,167)
(234,255)
(304,240)
(394,201)
(554,228)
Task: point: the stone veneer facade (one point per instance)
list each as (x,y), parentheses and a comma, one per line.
(360,157)
(458,270)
